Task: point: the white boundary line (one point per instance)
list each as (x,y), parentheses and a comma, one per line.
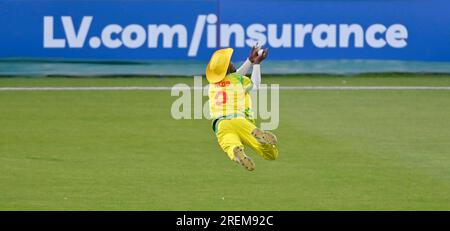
(299,88)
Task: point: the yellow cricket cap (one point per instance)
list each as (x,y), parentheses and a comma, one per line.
(218,65)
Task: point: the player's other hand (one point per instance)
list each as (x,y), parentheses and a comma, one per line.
(259,58)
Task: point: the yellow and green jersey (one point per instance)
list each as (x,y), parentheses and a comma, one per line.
(230,98)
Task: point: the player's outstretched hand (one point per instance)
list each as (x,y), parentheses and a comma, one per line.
(253,53)
(258,59)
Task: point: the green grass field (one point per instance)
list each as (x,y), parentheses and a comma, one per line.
(121,150)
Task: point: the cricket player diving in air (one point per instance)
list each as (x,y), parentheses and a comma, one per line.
(230,107)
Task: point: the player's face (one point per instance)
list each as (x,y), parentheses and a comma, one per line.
(231,68)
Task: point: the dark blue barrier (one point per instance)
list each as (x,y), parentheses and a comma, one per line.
(179,30)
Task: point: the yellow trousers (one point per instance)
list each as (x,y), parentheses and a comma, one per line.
(238,132)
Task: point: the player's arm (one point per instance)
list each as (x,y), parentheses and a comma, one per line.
(243,69)
(256,72)
(256,75)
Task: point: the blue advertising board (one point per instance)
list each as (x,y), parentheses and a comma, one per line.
(193,29)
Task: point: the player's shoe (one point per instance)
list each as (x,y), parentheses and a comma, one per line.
(242,159)
(264,137)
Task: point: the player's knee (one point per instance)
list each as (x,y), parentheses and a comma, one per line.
(271,156)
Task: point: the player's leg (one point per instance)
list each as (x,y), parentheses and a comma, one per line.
(267,143)
(263,142)
(231,144)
